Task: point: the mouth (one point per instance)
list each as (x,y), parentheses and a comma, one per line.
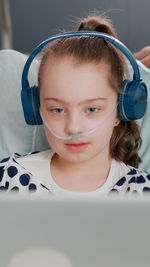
(76,146)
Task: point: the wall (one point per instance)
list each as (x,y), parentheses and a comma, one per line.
(36,20)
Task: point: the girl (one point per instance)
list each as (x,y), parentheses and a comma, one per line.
(79,85)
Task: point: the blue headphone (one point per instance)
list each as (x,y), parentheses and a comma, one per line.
(133,94)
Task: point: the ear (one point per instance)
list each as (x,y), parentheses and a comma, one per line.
(117,121)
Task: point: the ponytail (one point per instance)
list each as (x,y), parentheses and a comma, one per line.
(99,24)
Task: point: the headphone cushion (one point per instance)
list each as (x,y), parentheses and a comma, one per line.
(35,103)
(31,104)
(133,100)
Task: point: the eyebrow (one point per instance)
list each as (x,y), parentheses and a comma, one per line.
(82,102)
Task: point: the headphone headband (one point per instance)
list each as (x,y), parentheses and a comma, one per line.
(111,39)
(133,94)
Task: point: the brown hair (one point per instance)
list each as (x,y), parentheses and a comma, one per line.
(125,140)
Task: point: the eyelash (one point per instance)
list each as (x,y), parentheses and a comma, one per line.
(90,110)
(55,110)
(93,108)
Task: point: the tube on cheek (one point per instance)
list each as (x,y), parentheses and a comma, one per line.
(78,135)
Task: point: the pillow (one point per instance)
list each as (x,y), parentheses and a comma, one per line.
(15,134)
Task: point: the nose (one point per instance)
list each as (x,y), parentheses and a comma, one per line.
(73,124)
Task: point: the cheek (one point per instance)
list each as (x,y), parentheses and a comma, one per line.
(50,138)
(54,142)
(104,132)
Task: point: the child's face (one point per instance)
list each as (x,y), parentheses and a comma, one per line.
(75,98)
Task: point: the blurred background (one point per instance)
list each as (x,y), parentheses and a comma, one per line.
(31,21)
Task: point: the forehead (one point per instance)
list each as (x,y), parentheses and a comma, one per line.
(69,78)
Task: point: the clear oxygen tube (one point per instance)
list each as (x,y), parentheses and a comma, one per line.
(80,134)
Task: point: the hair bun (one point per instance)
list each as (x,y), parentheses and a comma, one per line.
(99,24)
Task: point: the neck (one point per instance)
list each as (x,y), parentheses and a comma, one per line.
(86,166)
(81,176)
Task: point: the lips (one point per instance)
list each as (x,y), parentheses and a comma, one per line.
(77,146)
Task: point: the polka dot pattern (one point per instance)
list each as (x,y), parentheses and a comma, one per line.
(4,160)
(132,172)
(132,180)
(15,178)
(4,187)
(146,189)
(141,179)
(148,177)
(15,189)
(24,179)
(32,187)
(1,173)
(121,181)
(114,190)
(12,171)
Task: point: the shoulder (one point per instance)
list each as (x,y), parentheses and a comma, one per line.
(132,180)
(16,172)
(10,170)
(140,180)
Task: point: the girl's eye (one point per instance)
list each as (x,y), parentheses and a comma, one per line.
(92,110)
(57,110)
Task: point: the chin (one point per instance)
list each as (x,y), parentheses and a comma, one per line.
(76,158)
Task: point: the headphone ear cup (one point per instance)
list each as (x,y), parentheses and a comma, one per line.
(121,102)
(36,105)
(133,100)
(31,104)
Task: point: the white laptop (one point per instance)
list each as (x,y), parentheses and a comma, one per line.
(57,232)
